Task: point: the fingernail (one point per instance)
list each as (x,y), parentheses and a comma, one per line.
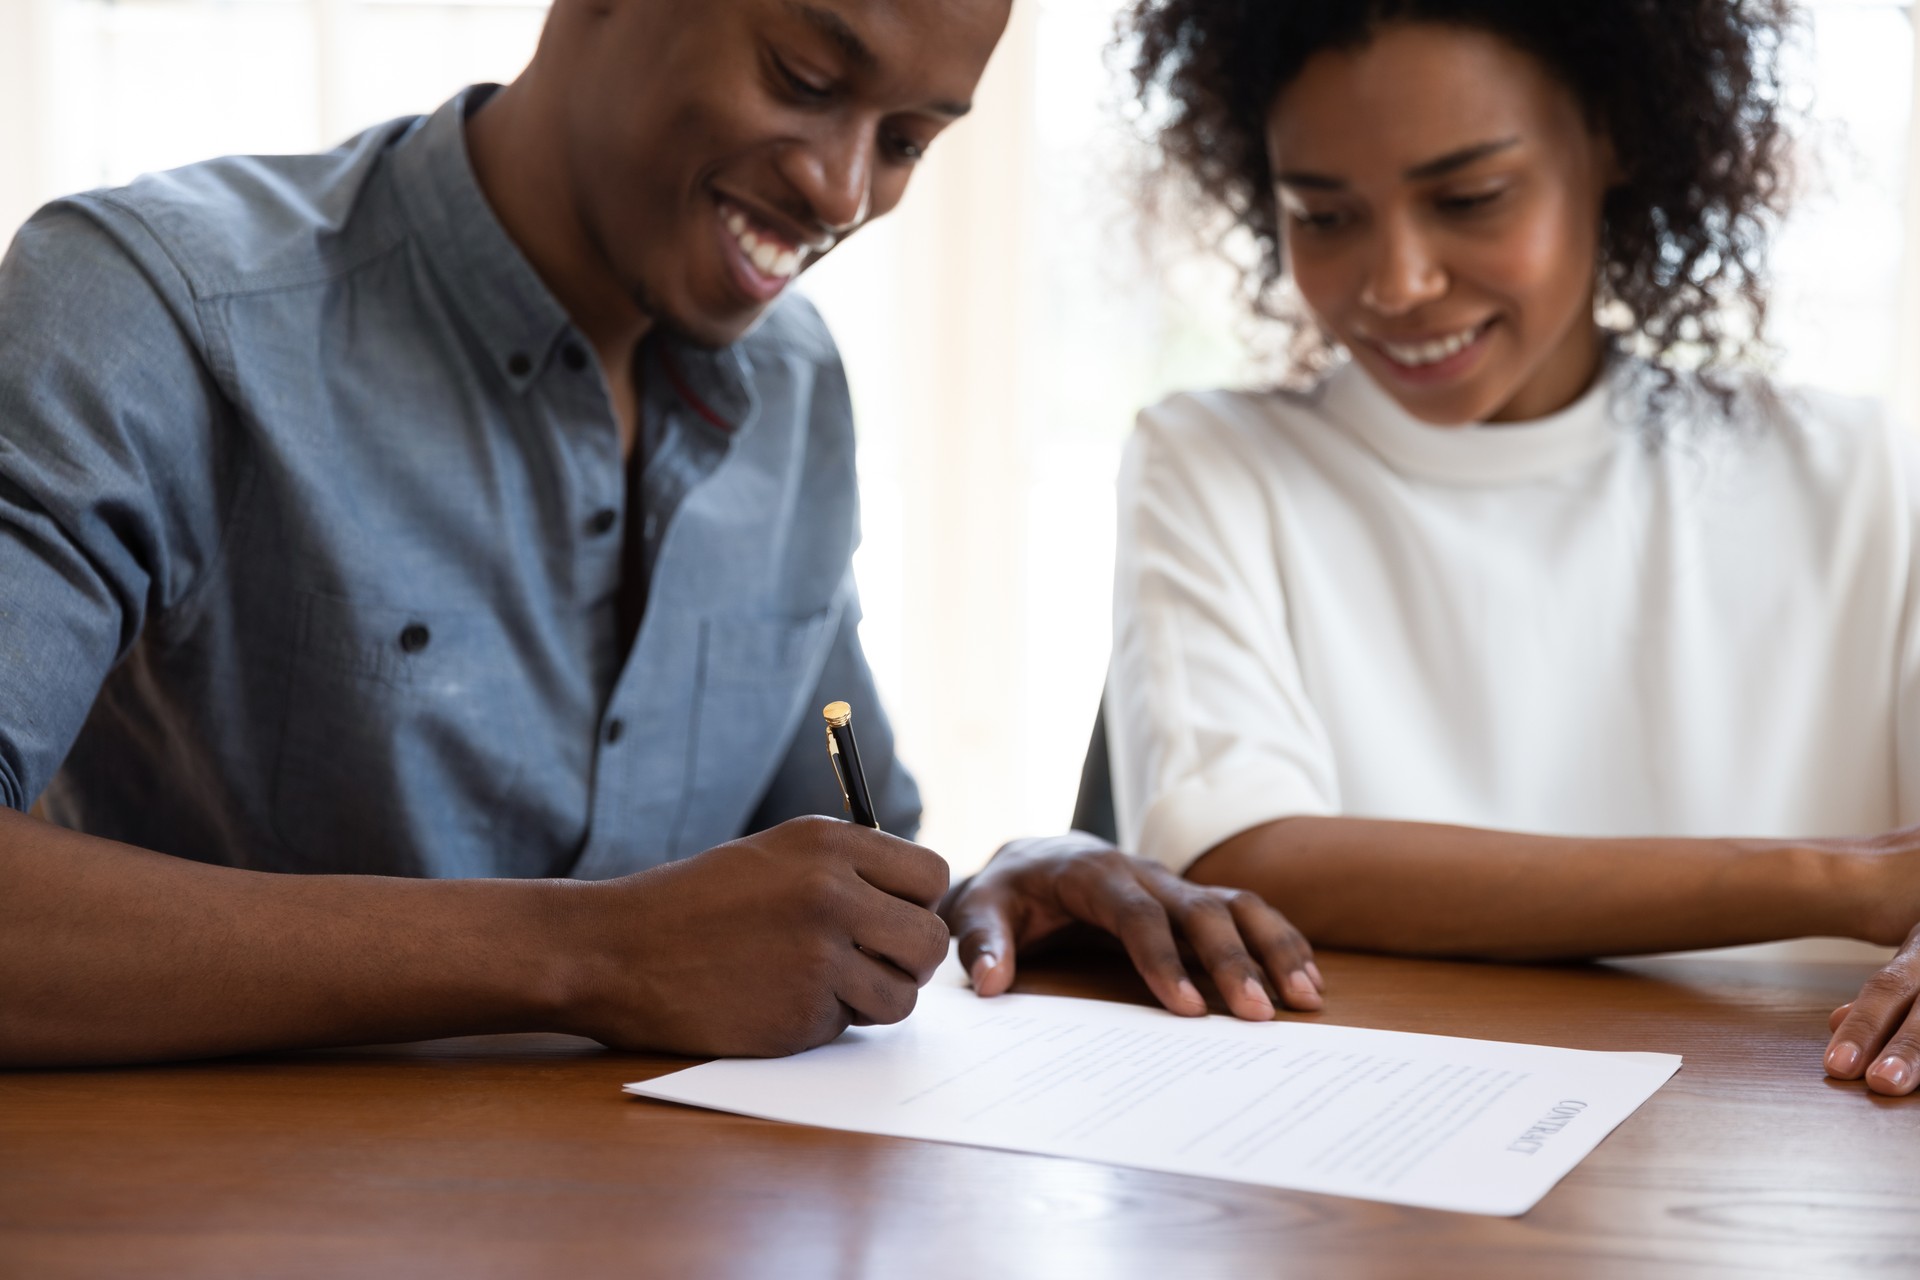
(1189,994)
(1843,1059)
(1892,1072)
(1300,987)
(1313,971)
(982,965)
(1258,995)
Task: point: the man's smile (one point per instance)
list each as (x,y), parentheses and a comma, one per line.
(764,258)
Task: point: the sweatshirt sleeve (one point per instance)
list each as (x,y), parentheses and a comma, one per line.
(1211,729)
(1906,710)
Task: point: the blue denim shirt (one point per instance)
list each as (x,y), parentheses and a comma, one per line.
(312,508)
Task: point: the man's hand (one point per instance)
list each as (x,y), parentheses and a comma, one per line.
(762,947)
(1034,888)
(1877,1034)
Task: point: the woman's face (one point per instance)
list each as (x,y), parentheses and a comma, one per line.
(1439,198)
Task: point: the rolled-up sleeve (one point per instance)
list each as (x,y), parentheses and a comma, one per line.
(109,482)
(1211,730)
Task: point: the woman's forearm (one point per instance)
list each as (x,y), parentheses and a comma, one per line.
(1426,889)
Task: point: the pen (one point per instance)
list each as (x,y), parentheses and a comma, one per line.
(846,764)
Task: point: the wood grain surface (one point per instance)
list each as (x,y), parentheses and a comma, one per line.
(519,1156)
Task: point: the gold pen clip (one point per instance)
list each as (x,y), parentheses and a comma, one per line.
(838,714)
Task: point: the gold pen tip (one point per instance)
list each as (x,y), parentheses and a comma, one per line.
(838,714)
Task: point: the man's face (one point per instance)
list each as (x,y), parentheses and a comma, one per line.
(717,148)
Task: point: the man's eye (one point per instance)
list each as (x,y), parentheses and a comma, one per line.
(905,150)
(802,89)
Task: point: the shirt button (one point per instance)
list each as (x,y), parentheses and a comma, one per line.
(615,730)
(601,522)
(415,637)
(519,365)
(573,357)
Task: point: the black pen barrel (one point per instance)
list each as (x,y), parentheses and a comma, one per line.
(853,779)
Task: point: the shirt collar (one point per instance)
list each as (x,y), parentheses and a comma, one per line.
(491,282)
(1478,453)
(517,317)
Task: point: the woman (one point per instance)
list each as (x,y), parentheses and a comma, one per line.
(1517,635)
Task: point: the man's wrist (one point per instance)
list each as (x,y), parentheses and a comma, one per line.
(558,968)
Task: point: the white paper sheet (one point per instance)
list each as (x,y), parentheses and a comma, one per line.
(1476,1126)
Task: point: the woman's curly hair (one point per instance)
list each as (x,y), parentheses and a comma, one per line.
(1688,91)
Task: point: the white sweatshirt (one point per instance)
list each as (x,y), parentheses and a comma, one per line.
(1325,606)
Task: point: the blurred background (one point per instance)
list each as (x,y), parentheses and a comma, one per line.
(1000,330)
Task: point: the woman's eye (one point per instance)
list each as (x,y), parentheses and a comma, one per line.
(1318,220)
(1469,203)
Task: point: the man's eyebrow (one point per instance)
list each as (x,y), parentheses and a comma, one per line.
(1438,167)
(855,50)
(835,28)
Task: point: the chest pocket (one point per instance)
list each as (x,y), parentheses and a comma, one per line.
(757,676)
(403,745)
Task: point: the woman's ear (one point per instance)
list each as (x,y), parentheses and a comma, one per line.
(1606,159)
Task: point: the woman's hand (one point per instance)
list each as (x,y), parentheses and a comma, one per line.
(1878,1033)
(1034,888)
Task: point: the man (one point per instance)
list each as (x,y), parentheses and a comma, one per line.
(461,514)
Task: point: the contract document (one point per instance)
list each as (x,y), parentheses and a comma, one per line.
(1475,1126)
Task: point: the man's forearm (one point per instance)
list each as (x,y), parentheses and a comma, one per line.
(113,954)
(1425,889)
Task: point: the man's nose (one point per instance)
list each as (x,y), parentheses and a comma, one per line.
(1406,273)
(835,176)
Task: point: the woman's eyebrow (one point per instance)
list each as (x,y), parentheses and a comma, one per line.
(1439,166)
(1459,159)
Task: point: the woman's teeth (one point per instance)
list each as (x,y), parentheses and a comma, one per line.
(768,257)
(1419,353)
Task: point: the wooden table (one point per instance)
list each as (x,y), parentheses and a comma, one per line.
(519,1156)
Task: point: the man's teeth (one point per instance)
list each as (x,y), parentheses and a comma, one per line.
(1419,353)
(767,256)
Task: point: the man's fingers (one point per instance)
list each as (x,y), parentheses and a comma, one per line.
(875,991)
(1870,1021)
(1838,1016)
(986,944)
(888,863)
(913,939)
(1118,904)
(1210,930)
(1281,948)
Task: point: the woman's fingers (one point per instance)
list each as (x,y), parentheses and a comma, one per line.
(1896,1070)
(1863,1042)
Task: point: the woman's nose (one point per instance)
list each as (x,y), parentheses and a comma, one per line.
(1406,274)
